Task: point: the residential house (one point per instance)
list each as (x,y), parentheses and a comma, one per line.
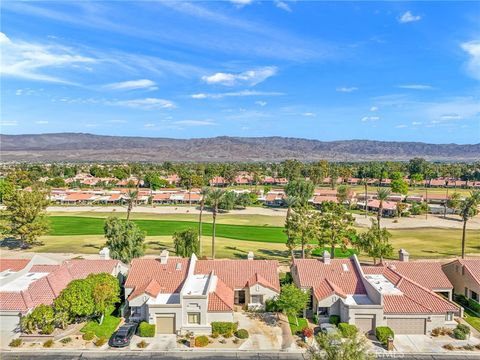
(180,295)
(464,274)
(372,296)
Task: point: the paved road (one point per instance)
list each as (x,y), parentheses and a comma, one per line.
(44,355)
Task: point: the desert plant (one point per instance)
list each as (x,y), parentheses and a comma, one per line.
(48,343)
(334,319)
(236,341)
(142,344)
(383,333)
(242,334)
(307,332)
(459,334)
(66,340)
(463,328)
(146,330)
(215,335)
(224,327)
(347,330)
(228,334)
(201,341)
(88,336)
(448,347)
(468,347)
(315,319)
(48,329)
(16,343)
(101,341)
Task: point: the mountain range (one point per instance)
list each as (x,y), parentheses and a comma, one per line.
(81,147)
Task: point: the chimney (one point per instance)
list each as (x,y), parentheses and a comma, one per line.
(326,257)
(164,257)
(105,253)
(250,255)
(403,255)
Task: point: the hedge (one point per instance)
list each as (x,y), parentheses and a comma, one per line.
(334,319)
(224,328)
(459,334)
(201,341)
(383,333)
(146,330)
(347,330)
(242,334)
(469,303)
(88,336)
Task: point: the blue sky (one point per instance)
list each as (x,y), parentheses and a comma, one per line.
(406,71)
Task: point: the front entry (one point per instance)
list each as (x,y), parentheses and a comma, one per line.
(166,324)
(239,297)
(365,323)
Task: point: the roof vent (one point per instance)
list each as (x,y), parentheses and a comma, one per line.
(345,267)
(250,255)
(403,255)
(326,257)
(164,257)
(178,266)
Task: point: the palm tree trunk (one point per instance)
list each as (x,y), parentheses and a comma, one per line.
(379,213)
(213,232)
(464,234)
(366,194)
(303,249)
(129,208)
(200,228)
(332,251)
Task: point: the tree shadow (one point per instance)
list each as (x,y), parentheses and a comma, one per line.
(275,253)
(159,245)
(94,246)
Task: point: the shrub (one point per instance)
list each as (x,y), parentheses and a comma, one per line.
(307,332)
(334,319)
(228,335)
(201,341)
(101,341)
(88,336)
(66,340)
(146,330)
(16,343)
(315,319)
(459,334)
(142,344)
(48,343)
(475,306)
(468,347)
(448,347)
(223,327)
(271,305)
(347,330)
(242,334)
(383,333)
(463,328)
(48,329)
(215,335)
(236,341)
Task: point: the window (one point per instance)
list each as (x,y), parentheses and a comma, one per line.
(194,318)
(449,316)
(323,311)
(257,299)
(474,295)
(136,311)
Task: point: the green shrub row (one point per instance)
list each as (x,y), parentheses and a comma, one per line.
(224,327)
(146,330)
(347,330)
(461,332)
(383,333)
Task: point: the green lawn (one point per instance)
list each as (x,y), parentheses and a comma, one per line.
(302,324)
(472,319)
(108,327)
(339,253)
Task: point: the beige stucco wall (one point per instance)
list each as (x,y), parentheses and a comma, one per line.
(220,316)
(154,310)
(258,289)
(460,281)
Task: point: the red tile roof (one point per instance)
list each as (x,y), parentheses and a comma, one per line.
(326,279)
(236,273)
(221,299)
(471,265)
(13,264)
(388,205)
(426,273)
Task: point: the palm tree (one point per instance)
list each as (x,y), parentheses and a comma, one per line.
(290,202)
(468,209)
(132,198)
(382,195)
(213,200)
(204,193)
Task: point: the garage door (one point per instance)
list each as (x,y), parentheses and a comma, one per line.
(407,326)
(166,324)
(365,323)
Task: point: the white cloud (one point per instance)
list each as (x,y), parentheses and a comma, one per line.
(283,5)
(261,103)
(149,125)
(415,123)
(347,89)
(194,122)
(416,87)
(115,121)
(309,114)
(8,122)
(473,64)
(241,3)
(41,122)
(374,108)
(33,61)
(146,104)
(401,126)
(132,85)
(408,17)
(452,116)
(235,94)
(249,77)
(370,118)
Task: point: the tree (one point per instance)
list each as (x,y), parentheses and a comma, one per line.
(343,192)
(290,202)
(41,318)
(57,182)
(292,300)
(382,195)
(333,347)
(76,299)
(299,228)
(214,199)
(375,242)
(105,293)
(416,178)
(125,240)
(154,182)
(186,242)
(468,209)
(399,186)
(453,202)
(302,190)
(24,215)
(6,188)
(132,196)
(204,194)
(336,225)
(417,166)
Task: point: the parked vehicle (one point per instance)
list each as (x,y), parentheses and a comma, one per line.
(122,337)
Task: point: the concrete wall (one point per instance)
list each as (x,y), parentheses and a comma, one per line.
(154,310)
(460,281)
(354,311)
(258,289)
(9,323)
(220,316)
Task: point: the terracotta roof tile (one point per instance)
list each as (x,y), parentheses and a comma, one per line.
(13,264)
(221,299)
(426,273)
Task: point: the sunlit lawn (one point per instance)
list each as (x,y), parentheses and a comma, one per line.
(108,327)
(302,324)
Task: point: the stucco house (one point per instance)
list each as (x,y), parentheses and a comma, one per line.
(371,296)
(464,274)
(25,284)
(180,295)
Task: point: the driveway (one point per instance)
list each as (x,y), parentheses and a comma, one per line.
(428,344)
(159,342)
(265,334)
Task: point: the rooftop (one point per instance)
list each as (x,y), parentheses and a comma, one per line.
(382,284)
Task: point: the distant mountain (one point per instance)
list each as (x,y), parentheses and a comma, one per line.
(72,147)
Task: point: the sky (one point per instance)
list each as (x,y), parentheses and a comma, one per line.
(397,71)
